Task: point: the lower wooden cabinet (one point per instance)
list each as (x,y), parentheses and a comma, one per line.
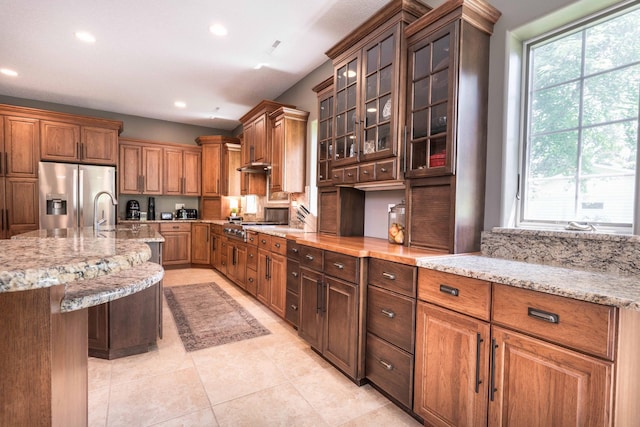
(200,252)
(237,262)
(125,326)
(536,380)
(18,206)
(177,243)
(271,278)
(311,318)
(452,368)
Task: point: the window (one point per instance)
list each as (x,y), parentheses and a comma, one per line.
(581,103)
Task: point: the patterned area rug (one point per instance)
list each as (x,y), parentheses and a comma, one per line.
(207,316)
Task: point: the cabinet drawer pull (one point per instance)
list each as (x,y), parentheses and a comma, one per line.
(294,250)
(388,366)
(309,257)
(251,239)
(390,314)
(383,169)
(294,307)
(349,174)
(335,176)
(264,242)
(294,273)
(389,276)
(175,227)
(338,265)
(449,290)
(250,255)
(277,245)
(543,315)
(366,172)
(250,279)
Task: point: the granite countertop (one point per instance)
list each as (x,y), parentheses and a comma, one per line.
(31,263)
(143,234)
(599,268)
(87,293)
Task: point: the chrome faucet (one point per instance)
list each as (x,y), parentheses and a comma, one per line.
(96,221)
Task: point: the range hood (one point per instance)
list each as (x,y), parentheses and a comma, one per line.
(256,167)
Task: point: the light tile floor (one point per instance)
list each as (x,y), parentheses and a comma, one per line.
(273,380)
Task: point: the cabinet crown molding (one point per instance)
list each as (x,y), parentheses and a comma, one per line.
(478,13)
(216,139)
(265,106)
(12,110)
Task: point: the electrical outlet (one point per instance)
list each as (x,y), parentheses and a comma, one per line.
(179,206)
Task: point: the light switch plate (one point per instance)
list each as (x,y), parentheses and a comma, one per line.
(179,206)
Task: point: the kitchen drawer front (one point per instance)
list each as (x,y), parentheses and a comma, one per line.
(366,173)
(264,241)
(292,314)
(293,276)
(337,175)
(342,266)
(252,238)
(252,282)
(390,369)
(462,294)
(391,317)
(175,226)
(279,245)
(393,276)
(252,257)
(385,170)
(577,324)
(311,257)
(293,250)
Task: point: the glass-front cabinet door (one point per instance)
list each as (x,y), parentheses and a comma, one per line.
(325,138)
(346,112)
(379,97)
(430,106)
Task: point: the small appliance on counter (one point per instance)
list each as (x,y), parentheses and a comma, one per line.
(151,209)
(187,214)
(166,216)
(133,210)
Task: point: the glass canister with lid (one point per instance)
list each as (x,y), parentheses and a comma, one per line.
(396,230)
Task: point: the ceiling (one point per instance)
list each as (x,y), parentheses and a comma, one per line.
(150,53)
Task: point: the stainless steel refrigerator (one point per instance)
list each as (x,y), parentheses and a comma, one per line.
(67,193)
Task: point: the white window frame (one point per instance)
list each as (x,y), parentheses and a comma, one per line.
(577,25)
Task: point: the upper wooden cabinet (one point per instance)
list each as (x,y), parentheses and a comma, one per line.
(182,171)
(368,95)
(256,127)
(288,150)
(72,142)
(140,167)
(325,131)
(220,161)
(19,147)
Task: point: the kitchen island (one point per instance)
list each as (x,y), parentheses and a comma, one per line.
(46,287)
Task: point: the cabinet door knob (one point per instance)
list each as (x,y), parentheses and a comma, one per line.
(294,250)
(294,273)
(294,307)
(389,276)
(390,314)
(250,279)
(366,172)
(264,242)
(277,245)
(349,174)
(309,257)
(338,265)
(383,169)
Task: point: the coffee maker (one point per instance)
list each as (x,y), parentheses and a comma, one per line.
(151,209)
(133,210)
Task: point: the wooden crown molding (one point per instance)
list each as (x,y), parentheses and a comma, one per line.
(478,13)
(75,119)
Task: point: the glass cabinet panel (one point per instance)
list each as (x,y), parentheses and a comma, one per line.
(430,90)
(346,111)
(325,140)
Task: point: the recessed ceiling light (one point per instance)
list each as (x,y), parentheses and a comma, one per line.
(180,104)
(218,30)
(260,65)
(85,37)
(8,72)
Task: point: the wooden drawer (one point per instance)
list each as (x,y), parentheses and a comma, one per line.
(292,314)
(577,324)
(311,257)
(366,173)
(279,245)
(293,276)
(337,175)
(350,175)
(391,317)
(293,250)
(175,226)
(385,170)
(390,369)
(252,257)
(252,238)
(393,276)
(342,266)
(252,282)
(462,294)
(264,241)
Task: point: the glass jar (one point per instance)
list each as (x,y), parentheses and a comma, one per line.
(396,230)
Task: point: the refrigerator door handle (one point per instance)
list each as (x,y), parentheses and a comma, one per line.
(78,199)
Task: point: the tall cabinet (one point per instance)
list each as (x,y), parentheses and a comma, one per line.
(446,119)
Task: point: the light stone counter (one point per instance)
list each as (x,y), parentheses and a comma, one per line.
(599,268)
